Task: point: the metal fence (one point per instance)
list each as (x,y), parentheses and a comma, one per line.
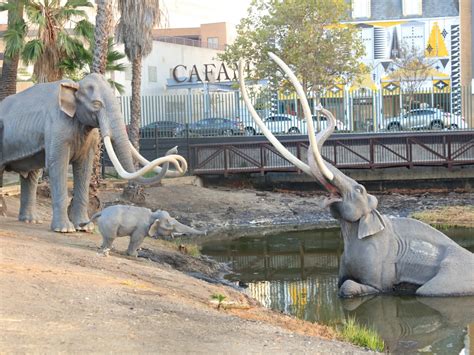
(224,113)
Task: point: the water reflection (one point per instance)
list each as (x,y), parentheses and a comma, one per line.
(297,273)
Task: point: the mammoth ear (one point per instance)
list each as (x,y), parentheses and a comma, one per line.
(67,99)
(370,224)
(154,228)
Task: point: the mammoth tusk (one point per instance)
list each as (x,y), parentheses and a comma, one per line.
(280,147)
(173,159)
(307,114)
(179,172)
(323,135)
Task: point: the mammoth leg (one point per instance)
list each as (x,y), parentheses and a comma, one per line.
(57,167)
(135,241)
(29,185)
(82,172)
(450,279)
(353,289)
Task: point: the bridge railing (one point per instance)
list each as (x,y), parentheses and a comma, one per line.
(350,151)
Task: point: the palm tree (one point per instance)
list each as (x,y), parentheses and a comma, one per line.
(103,26)
(53,42)
(14,37)
(137,19)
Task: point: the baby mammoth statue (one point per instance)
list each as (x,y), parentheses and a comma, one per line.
(136,222)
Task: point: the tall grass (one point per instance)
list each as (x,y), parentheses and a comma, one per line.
(361,335)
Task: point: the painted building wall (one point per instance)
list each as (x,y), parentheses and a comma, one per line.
(436,37)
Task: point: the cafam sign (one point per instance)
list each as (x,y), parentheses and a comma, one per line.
(205,73)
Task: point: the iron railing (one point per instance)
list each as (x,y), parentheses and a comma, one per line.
(206,113)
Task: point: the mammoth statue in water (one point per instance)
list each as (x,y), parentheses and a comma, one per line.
(381,254)
(54,124)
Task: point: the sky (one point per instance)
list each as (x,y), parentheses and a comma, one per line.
(192,13)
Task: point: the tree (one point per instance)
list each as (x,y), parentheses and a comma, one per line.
(137,19)
(53,43)
(103,26)
(412,69)
(14,38)
(307,34)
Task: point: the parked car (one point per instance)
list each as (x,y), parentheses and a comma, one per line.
(160,129)
(213,127)
(288,124)
(423,118)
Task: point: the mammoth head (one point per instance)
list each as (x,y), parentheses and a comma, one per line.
(165,226)
(93,103)
(348,200)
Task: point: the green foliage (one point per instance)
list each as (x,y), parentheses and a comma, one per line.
(361,335)
(32,51)
(53,50)
(219,298)
(14,37)
(306,34)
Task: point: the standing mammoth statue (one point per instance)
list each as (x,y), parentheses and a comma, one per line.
(54,124)
(381,254)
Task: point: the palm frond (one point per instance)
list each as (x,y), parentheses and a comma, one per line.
(78,3)
(8,6)
(134,30)
(67,13)
(32,51)
(115,85)
(35,14)
(85,28)
(14,38)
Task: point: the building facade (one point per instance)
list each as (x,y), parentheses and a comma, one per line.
(427,28)
(184,59)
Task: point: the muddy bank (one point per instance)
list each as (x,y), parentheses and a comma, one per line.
(228,212)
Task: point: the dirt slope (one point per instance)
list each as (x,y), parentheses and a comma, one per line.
(58,295)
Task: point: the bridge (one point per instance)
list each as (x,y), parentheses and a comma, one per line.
(254,154)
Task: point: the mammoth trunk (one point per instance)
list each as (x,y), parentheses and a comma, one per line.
(113,126)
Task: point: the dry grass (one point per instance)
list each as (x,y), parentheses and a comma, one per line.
(449,216)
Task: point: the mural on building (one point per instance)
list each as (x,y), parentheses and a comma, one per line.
(438,39)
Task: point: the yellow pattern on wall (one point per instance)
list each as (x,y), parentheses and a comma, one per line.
(436,46)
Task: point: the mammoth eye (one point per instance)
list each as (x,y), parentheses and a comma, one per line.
(359,189)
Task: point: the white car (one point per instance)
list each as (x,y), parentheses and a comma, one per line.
(425,118)
(288,124)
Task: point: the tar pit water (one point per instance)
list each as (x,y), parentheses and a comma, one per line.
(296,273)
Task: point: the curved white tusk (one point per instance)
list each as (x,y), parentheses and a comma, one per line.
(307,114)
(323,135)
(279,147)
(170,173)
(173,159)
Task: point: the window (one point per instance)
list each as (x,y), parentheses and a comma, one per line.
(412,7)
(360,8)
(152,74)
(213,42)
